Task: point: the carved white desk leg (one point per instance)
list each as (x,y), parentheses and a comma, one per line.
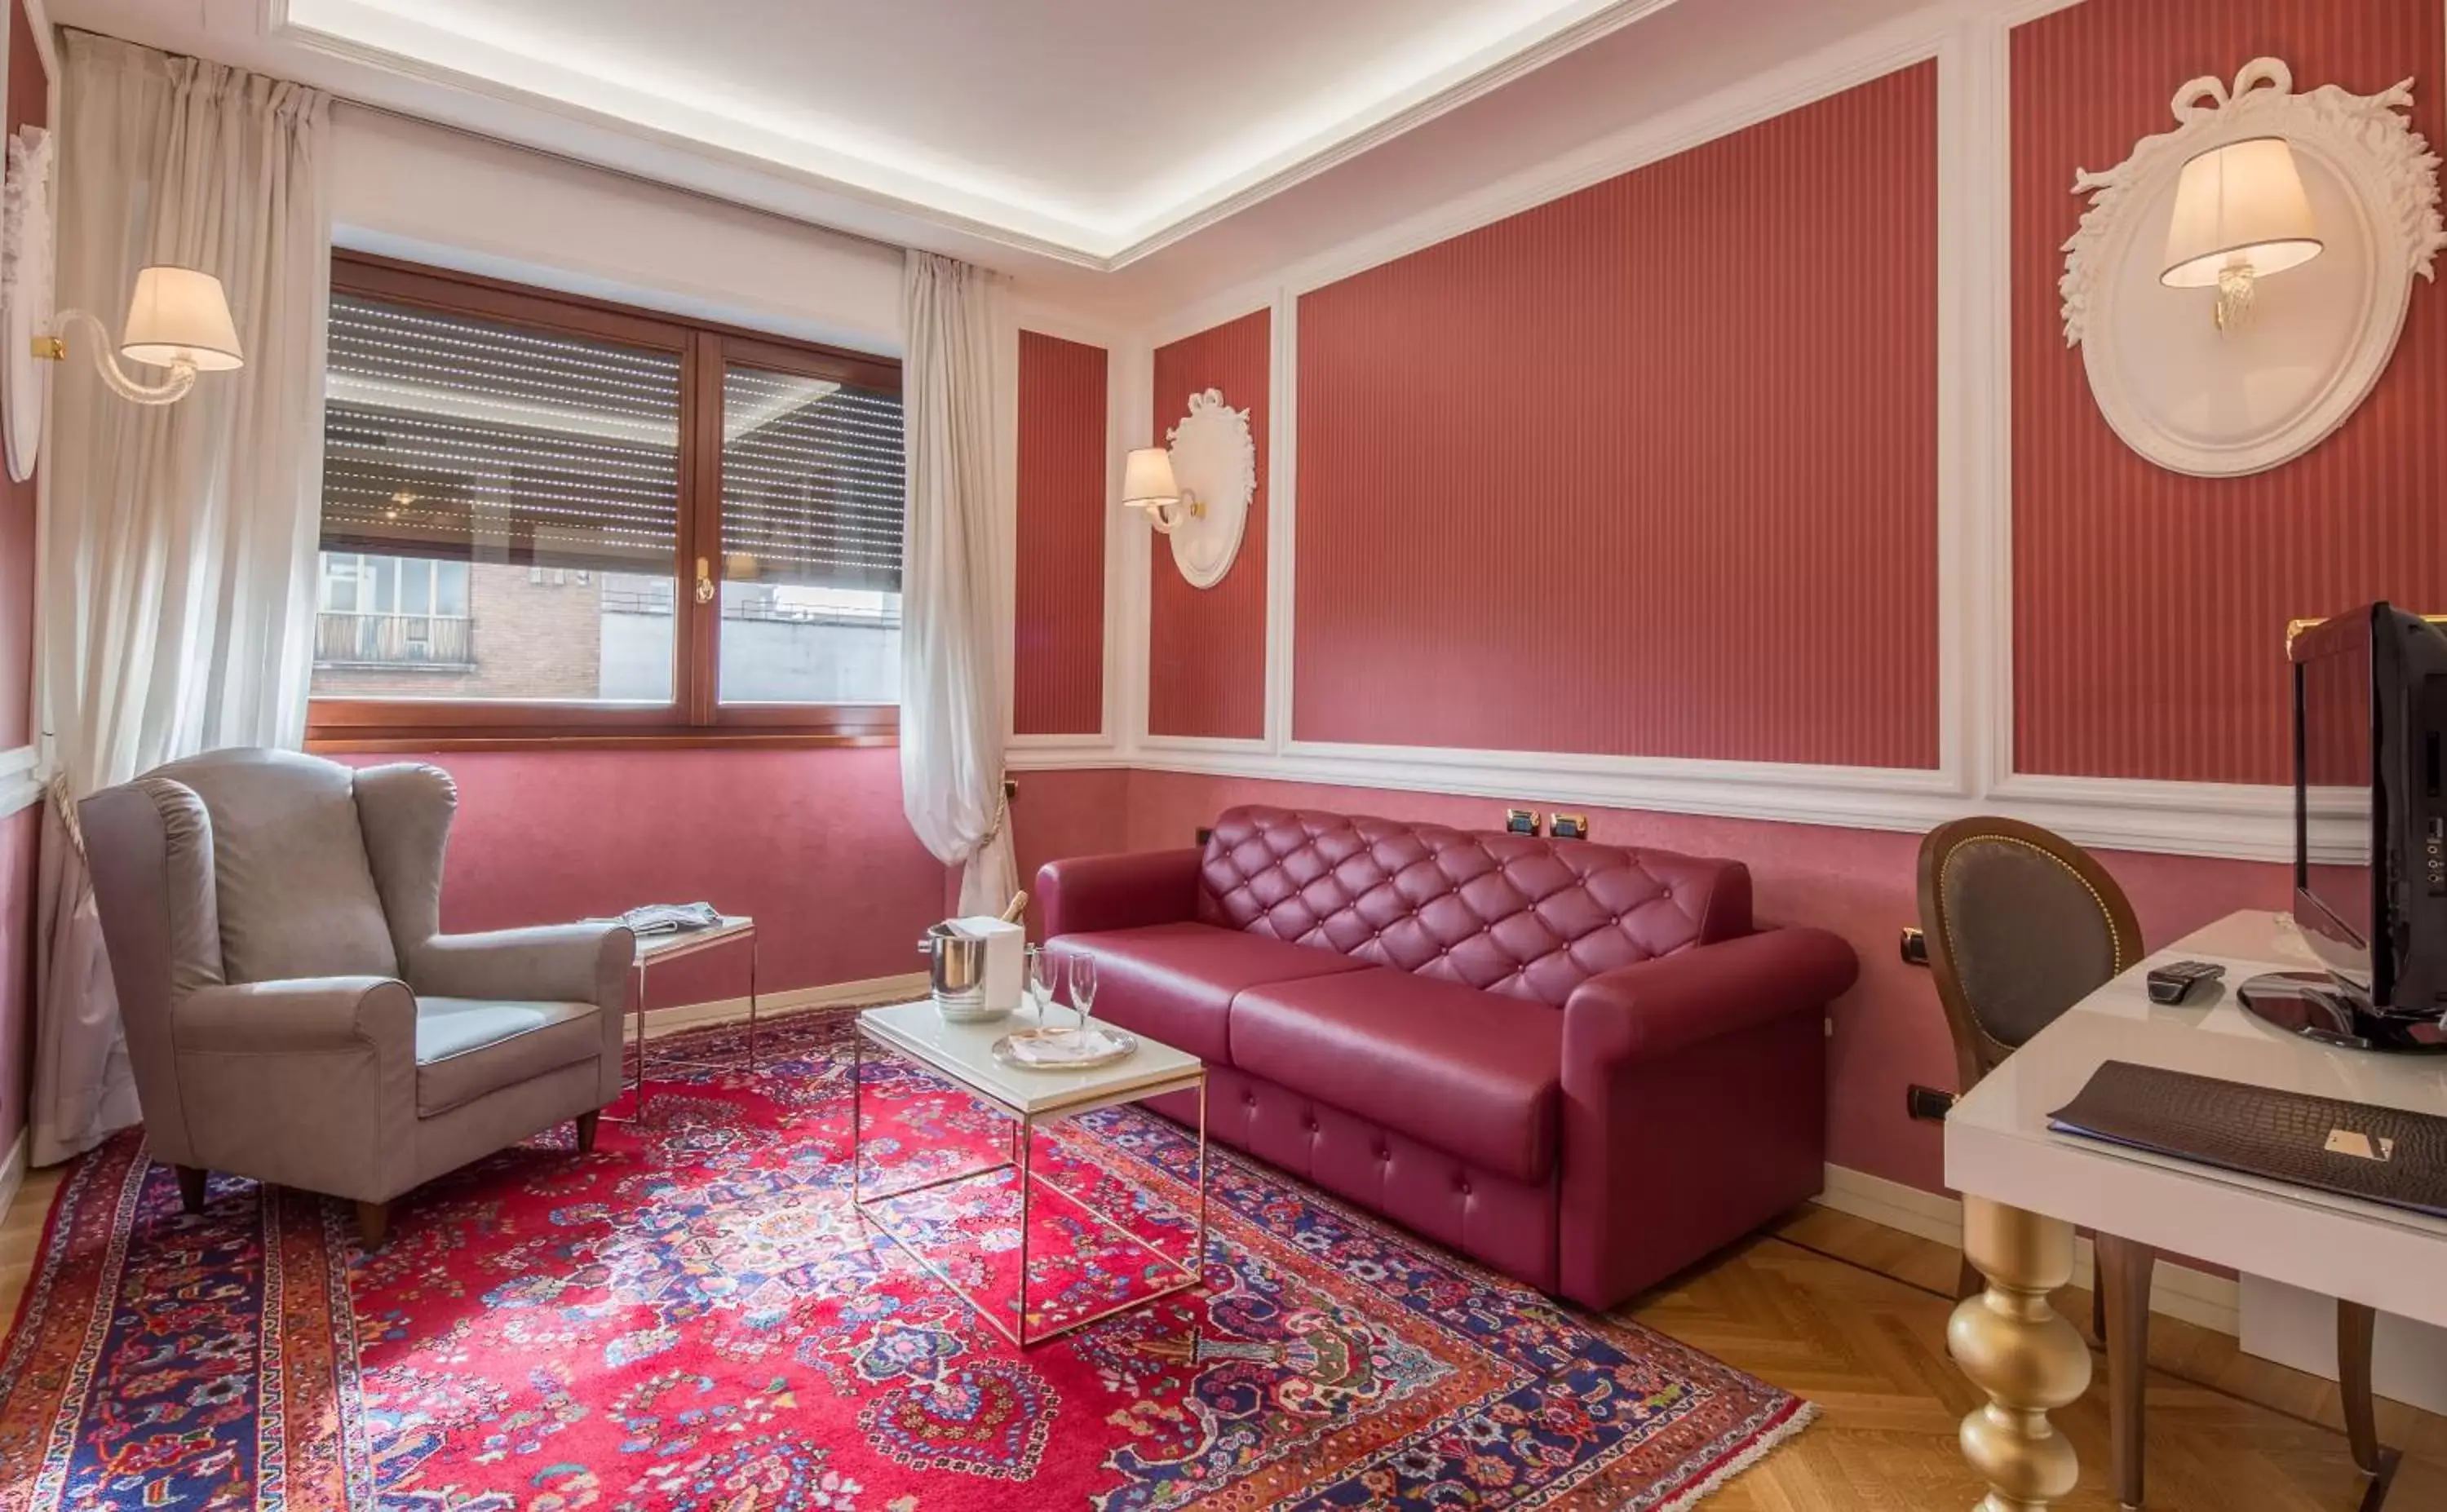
(2016,1348)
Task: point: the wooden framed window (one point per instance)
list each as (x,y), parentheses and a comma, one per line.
(553,519)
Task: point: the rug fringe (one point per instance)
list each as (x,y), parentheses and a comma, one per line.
(1766,1443)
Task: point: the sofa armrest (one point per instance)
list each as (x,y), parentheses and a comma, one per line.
(1695,1105)
(550,963)
(1118,892)
(302,1017)
(1651,1010)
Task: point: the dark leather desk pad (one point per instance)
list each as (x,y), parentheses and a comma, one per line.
(2350,1149)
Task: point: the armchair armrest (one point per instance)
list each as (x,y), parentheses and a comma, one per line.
(1118,892)
(309,1084)
(297,1017)
(1648,1011)
(550,963)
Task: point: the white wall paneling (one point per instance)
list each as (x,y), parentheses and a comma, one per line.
(1970,43)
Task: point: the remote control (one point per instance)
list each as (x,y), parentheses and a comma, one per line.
(2175,983)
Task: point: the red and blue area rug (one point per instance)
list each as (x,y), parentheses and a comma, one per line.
(694,1318)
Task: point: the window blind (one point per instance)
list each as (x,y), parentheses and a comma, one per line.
(459,437)
(812,480)
(452,436)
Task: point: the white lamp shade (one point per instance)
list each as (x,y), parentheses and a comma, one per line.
(2239,205)
(1147,478)
(179,313)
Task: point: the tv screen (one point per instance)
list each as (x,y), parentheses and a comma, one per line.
(2339,893)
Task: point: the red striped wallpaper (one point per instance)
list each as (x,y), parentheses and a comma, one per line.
(1207,648)
(1058,593)
(1647,470)
(2149,608)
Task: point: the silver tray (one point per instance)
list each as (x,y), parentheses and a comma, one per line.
(1125,1046)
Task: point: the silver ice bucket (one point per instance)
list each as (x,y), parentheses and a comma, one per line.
(956,974)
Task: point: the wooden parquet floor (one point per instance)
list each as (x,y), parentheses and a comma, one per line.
(1852,1317)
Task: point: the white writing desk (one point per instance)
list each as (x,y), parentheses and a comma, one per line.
(2025,1190)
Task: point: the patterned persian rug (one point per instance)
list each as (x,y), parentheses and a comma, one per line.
(695,1317)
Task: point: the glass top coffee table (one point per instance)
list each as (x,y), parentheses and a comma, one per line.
(962,1054)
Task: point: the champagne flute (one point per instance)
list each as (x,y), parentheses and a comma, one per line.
(1040,982)
(1083,986)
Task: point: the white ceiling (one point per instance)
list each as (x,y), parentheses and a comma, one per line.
(1092,128)
(1123,155)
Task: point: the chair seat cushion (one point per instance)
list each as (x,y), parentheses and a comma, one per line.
(1473,1074)
(1176,982)
(467,1047)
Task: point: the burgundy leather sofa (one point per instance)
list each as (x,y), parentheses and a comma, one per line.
(1578,1064)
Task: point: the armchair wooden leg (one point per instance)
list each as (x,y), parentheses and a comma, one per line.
(191,1187)
(374,1224)
(586,1124)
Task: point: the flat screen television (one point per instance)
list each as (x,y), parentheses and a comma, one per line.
(2370,835)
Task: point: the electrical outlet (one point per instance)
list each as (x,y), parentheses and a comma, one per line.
(1929,1103)
(1915,946)
(1521,822)
(1568,827)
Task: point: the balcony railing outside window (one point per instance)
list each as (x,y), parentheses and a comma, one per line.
(438,641)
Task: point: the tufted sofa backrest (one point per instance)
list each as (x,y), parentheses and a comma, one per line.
(1505,913)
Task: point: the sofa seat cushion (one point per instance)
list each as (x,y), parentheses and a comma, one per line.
(467,1047)
(1176,982)
(1473,1074)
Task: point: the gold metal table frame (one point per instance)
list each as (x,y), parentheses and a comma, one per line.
(1191,1273)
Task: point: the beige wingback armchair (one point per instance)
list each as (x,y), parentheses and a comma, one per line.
(294,1011)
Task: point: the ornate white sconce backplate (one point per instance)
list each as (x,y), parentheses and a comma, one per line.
(2196,400)
(1215,460)
(24,295)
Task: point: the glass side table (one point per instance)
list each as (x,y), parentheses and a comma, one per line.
(653,949)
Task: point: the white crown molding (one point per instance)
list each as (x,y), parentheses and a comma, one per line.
(1855,60)
(1052,243)
(1605,22)
(977,211)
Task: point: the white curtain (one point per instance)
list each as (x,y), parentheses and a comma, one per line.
(178,567)
(953,386)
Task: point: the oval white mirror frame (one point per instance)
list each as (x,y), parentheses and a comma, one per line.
(1215,461)
(25,292)
(2221,404)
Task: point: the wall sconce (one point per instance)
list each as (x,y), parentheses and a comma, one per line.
(2336,189)
(2241,215)
(1147,483)
(178,318)
(1197,491)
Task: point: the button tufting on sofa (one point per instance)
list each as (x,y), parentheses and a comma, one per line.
(1578,1064)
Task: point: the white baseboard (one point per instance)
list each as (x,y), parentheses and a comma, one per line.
(679,1018)
(12,1172)
(2178,1290)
